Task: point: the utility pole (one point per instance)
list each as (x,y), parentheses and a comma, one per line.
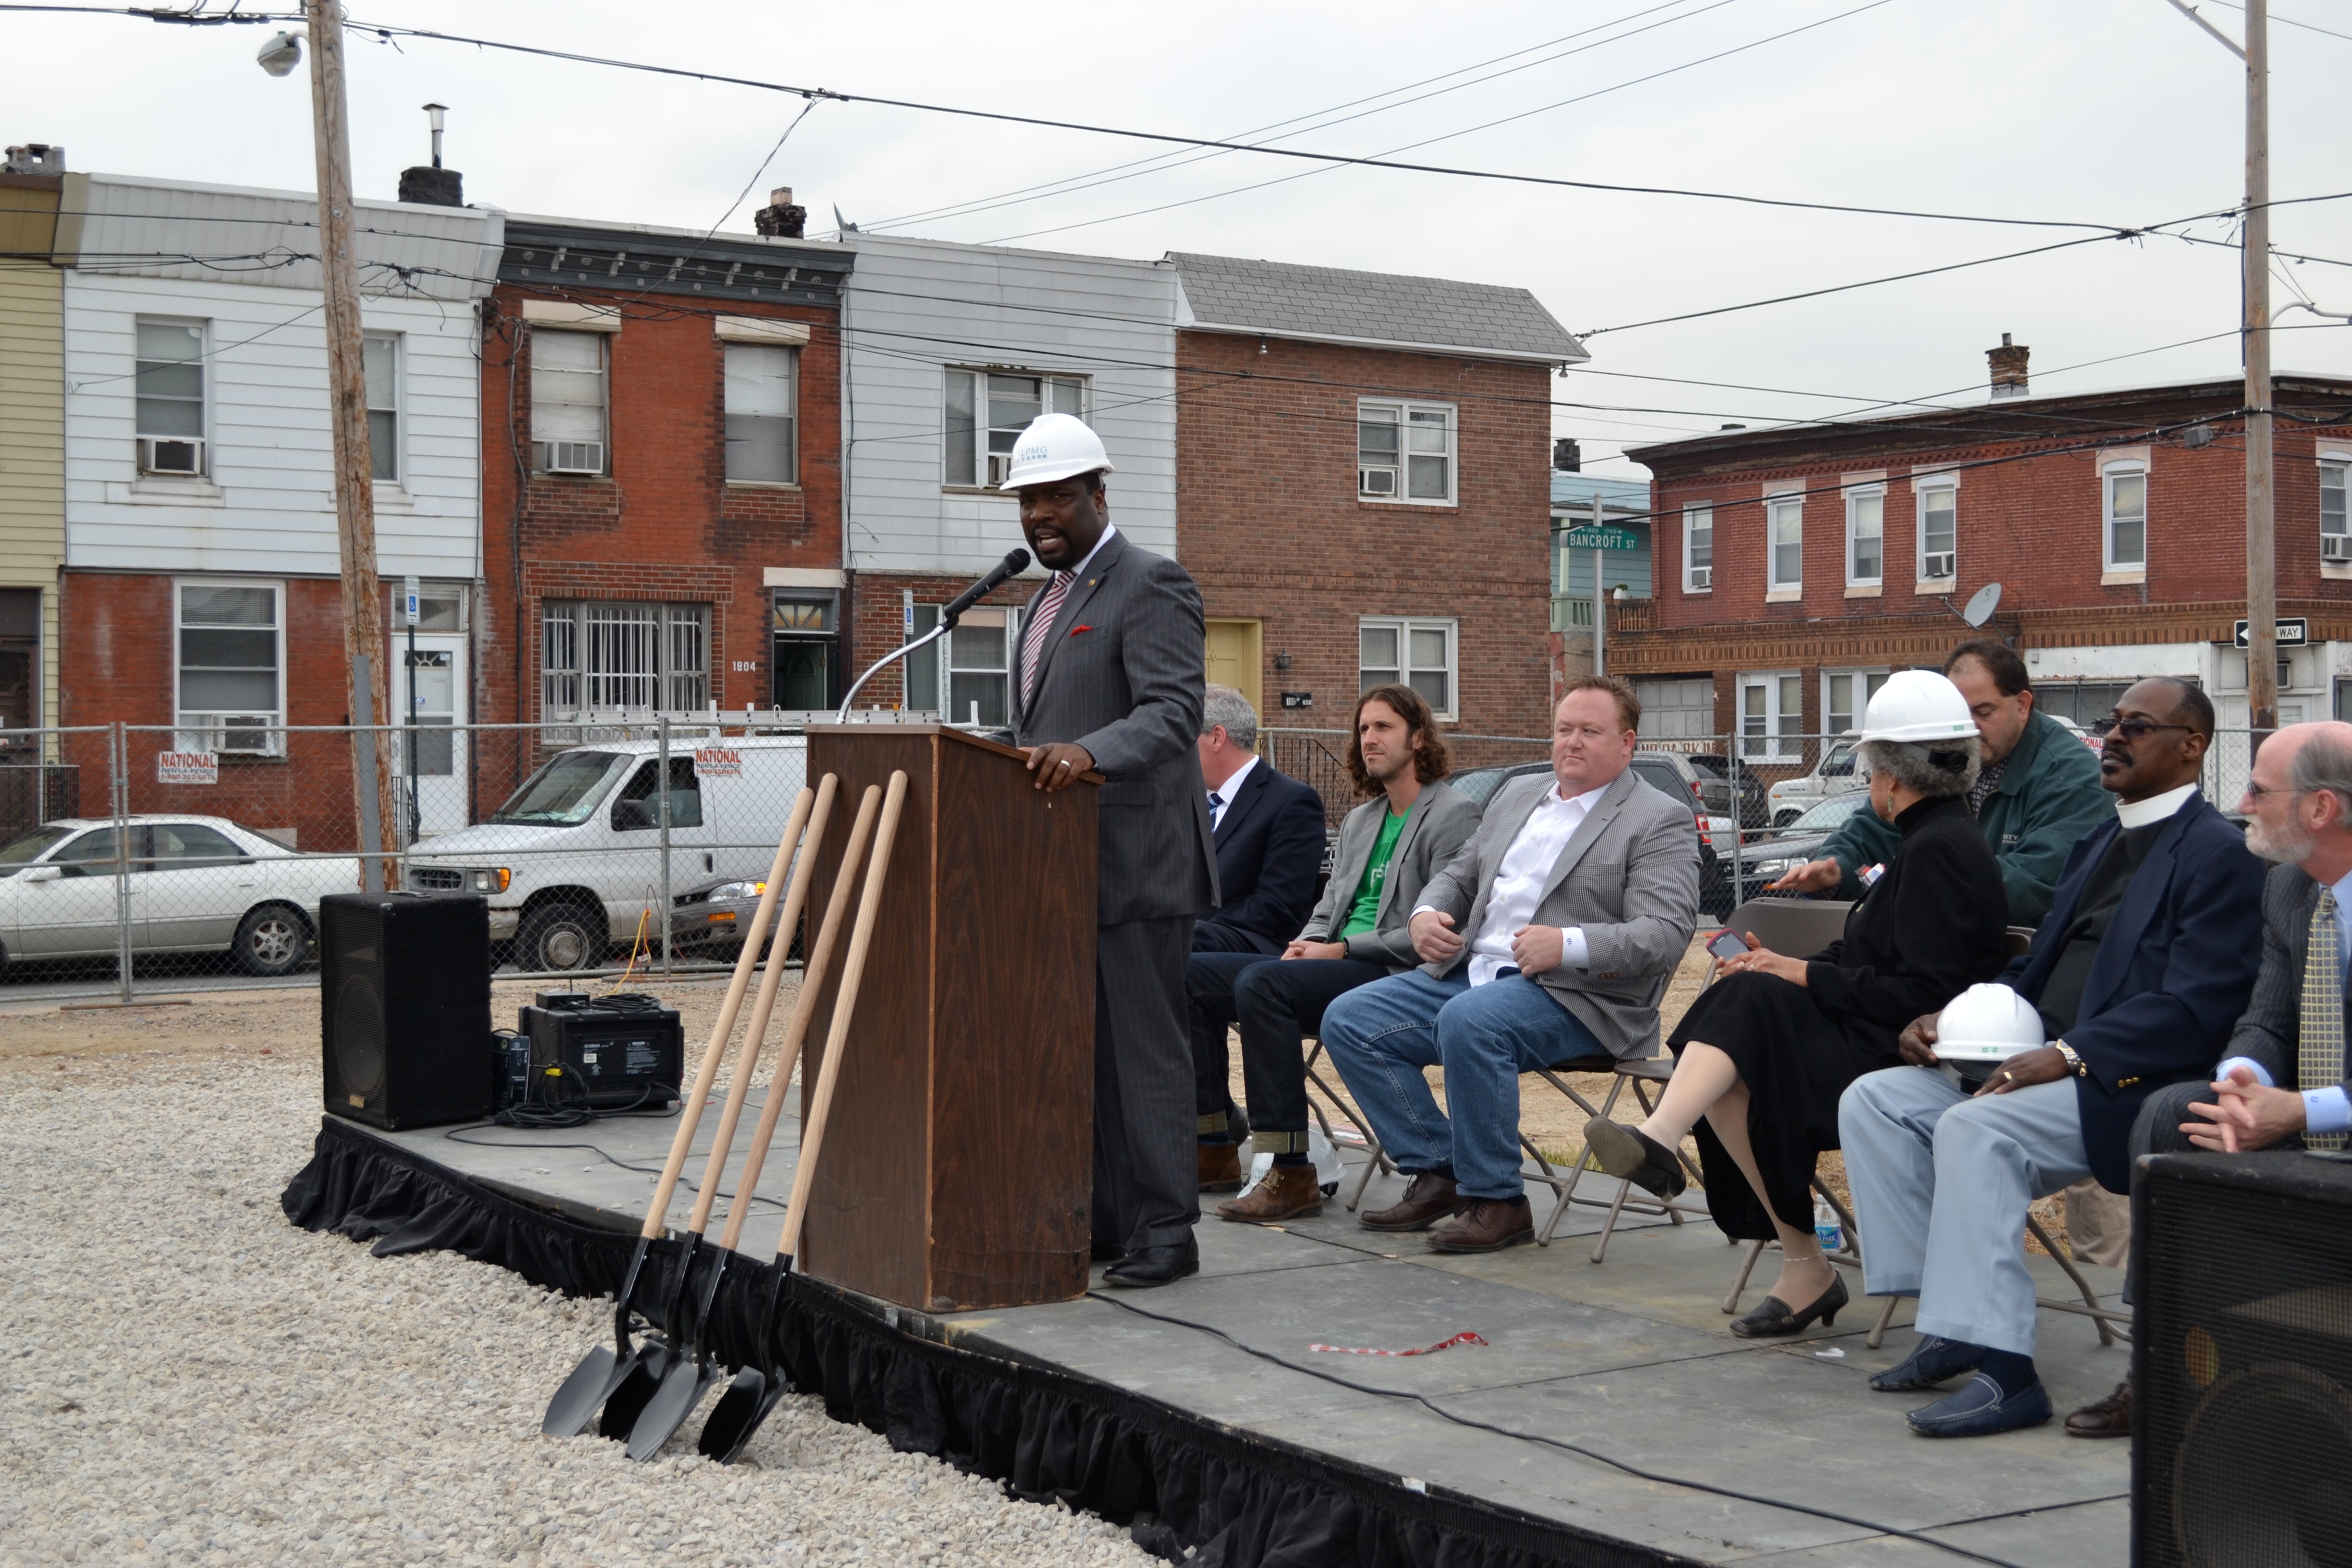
(363,636)
(2262,582)
(1599,595)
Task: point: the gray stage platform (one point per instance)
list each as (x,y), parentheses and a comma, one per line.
(1631,1359)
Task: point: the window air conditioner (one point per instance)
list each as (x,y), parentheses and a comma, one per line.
(575,456)
(1702,577)
(246,731)
(2336,547)
(1937,566)
(1000,467)
(1376,482)
(172,455)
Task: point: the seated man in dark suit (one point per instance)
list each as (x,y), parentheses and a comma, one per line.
(2139,971)
(1388,847)
(2281,1083)
(1268,830)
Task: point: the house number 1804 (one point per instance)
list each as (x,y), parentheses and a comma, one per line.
(746,666)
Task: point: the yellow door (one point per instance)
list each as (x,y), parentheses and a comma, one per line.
(1234,658)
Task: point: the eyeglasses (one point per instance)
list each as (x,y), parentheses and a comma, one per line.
(2130,729)
(2257,792)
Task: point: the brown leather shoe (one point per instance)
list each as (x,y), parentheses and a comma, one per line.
(1428,1198)
(1489,1225)
(2110,1418)
(1287,1191)
(1220,1167)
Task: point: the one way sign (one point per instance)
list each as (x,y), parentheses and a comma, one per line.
(2295,633)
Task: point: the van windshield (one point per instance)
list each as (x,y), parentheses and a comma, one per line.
(564,791)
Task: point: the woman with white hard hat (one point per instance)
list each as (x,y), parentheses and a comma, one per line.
(1764,1053)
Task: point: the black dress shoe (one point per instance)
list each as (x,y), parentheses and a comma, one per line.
(1772,1319)
(1149,1266)
(1635,1156)
(1105,1252)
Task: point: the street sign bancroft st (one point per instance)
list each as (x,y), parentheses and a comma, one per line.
(1591,538)
(2295,633)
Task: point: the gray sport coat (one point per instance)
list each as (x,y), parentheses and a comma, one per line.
(1629,876)
(1441,820)
(2271,1028)
(1122,673)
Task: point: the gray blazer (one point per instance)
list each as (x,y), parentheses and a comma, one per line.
(2271,1029)
(1629,876)
(1122,673)
(1441,820)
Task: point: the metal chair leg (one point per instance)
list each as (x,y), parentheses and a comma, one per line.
(2090,1307)
(1746,1266)
(1380,1163)
(1877,1335)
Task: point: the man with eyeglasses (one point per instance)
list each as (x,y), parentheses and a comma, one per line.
(2036,794)
(2139,973)
(2281,1082)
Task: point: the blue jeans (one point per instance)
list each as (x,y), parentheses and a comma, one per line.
(1381,1036)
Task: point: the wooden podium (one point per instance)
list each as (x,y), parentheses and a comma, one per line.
(957,1159)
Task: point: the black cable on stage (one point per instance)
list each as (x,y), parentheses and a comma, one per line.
(1594,1454)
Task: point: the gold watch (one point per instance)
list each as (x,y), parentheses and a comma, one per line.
(2082,1069)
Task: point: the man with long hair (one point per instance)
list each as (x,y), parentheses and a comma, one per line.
(1413,824)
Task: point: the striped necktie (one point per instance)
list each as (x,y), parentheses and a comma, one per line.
(2320,1054)
(1041,627)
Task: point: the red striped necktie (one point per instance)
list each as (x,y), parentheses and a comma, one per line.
(1041,627)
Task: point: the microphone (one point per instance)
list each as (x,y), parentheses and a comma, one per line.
(1015,562)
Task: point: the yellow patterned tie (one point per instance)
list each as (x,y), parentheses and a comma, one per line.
(2319,1060)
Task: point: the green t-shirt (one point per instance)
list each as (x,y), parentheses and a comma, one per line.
(1365,913)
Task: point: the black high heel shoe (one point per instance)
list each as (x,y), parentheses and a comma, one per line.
(1772,1319)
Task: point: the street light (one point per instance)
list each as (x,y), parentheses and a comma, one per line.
(280,55)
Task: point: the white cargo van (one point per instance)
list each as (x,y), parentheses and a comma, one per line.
(573,861)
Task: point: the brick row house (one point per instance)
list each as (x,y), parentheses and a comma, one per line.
(1797,566)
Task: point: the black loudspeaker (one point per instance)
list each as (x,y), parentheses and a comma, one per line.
(405,1006)
(2241,1363)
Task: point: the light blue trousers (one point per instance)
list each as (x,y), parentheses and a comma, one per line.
(1941,1183)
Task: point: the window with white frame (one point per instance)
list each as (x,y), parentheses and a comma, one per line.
(1865,536)
(380,358)
(1784,527)
(568,402)
(2334,522)
(230,663)
(967,676)
(169,388)
(597,655)
(2123,488)
(1772,716)
(988,409)
(1846,696)
(1404,451)
(1415,653)
(762,414)
(1940,533)
(1699,549)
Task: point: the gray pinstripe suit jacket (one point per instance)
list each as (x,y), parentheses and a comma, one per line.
(1122,673)
(2271,1030)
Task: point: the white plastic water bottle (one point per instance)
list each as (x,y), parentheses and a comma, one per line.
(1825,1225)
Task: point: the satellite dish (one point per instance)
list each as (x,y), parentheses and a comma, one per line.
(1981,606)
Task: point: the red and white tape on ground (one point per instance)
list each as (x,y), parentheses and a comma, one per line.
(1465,1337)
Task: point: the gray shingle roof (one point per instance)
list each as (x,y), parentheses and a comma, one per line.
(1328,303)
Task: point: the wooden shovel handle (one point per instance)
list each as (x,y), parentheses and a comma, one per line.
(747,1055)
(690,1112)
(836,1037)
(819,965)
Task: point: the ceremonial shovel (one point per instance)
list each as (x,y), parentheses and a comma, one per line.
(755,1391)
(686,1379)
(602,1369)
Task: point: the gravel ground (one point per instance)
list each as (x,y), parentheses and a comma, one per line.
(186,1379)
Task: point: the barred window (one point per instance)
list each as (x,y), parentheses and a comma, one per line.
(597,656)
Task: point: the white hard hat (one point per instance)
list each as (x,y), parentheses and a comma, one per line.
(1054,447)
(1919,706)
(1988,1023)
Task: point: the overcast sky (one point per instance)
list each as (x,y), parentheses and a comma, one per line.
(2104,112)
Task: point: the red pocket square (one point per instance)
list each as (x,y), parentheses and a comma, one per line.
(1076,630)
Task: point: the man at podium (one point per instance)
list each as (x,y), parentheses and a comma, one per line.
(1111,679)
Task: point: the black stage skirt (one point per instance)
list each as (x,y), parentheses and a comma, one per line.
(1795,1060)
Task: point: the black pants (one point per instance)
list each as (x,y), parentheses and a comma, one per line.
(1277,1003)
(1210,934)
(1146,1183)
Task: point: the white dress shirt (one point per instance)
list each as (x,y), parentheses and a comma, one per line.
(1519,882)
(1220,799)
(2325,1108)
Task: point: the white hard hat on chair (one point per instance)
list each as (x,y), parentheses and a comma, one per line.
(1919,706)
(1054,447)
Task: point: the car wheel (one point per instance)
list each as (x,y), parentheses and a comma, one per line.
(563,936)
(272,939)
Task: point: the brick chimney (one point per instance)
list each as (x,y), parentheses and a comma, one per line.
(779,218)
(2008,368)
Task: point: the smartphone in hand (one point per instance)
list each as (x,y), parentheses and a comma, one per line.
(1728,944)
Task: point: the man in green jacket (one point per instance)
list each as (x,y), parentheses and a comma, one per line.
(2037,795)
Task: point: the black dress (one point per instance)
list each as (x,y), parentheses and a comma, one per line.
(1935,924)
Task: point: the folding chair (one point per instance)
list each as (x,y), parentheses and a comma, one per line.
(1641,1072)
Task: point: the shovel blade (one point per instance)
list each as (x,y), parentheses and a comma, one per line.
(680,1392)
(738,1414)
(627,1400)
(591,1383)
